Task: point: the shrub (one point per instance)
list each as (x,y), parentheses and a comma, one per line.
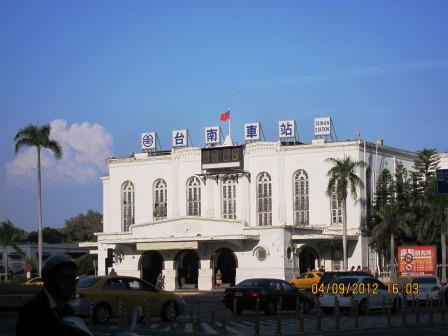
(85,264)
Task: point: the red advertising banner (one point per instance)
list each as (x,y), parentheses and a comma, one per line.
(416,261)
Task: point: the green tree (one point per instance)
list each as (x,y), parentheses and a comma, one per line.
(392,222)
(433,222)
(402,187)
(83,226)
(425,165)
(384,189)
(10,235)
(50,236)
(343,177)
(39,137)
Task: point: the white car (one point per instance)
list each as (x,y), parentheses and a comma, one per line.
(365,291)
(429,287)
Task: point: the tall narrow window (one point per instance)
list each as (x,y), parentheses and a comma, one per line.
(127,205)
(301,199)
(229,198)
(193,196)
(264,199)
(159,197)
(336,208)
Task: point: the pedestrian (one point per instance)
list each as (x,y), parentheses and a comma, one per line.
(43,314)
(358,269)
(218,277)
(112,272)
(352,269)
(322,268)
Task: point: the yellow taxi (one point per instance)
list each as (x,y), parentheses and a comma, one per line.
(106,291)
(34,282)
(306,280)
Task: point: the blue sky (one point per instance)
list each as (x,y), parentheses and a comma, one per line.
(102,72)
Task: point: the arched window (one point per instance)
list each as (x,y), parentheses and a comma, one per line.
(228,193)
(127,205)
(301,198)
(336,208)
(159,197)
(193,196)
(264,199)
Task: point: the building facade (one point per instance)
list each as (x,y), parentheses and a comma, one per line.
(190,211)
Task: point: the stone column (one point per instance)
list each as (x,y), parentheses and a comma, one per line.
(205,277)
(170,275)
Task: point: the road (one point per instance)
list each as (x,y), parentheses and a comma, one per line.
(244,324)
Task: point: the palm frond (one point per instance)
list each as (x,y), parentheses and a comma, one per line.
(23,142)
(56,148)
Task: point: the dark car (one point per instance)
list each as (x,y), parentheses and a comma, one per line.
(269,291)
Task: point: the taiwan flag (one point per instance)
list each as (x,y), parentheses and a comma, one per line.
(225,116)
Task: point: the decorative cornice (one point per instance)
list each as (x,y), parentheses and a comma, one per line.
(258,147)
(189,152)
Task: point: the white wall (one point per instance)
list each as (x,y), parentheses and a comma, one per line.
(281,162)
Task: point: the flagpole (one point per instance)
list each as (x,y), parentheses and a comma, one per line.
(230,119)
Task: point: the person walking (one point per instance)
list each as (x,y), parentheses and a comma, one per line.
(43,314)
(218,278)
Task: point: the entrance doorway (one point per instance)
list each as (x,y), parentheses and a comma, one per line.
(187,265)
(226,262)
(151,265)
(308,259)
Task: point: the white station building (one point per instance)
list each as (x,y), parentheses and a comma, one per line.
(253,210)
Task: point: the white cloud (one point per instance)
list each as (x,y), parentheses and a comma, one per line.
(85,148)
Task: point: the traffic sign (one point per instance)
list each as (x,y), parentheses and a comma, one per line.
(442,181)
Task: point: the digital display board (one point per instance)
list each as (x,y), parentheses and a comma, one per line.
(222,157)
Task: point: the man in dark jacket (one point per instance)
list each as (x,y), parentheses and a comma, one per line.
(43,314)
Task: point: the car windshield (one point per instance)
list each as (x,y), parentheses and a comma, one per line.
(86,282)
(328,277)
(252,283)
(345,281)
(424,280)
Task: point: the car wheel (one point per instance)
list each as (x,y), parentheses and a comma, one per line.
(271,308)
(102,313)
(362,307)
(166,311)
(396,308)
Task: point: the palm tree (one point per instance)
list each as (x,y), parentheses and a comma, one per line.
(391,222)
(39,137)
(343,178)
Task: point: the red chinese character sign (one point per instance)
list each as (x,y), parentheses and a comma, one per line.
(416,261)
